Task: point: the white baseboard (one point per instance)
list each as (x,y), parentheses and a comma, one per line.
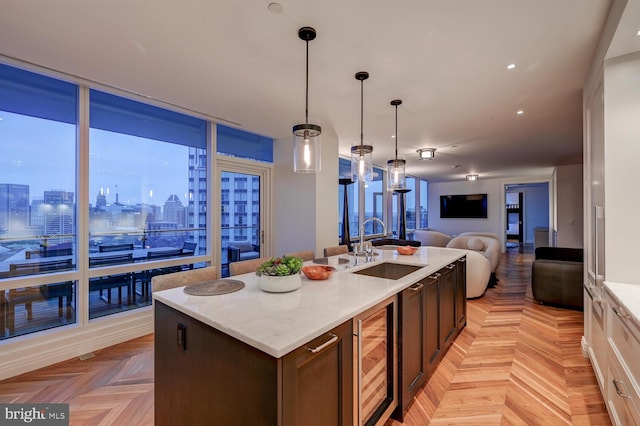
(27,353)
(585,347)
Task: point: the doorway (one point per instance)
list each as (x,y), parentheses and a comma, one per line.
(242,212)
(528,215)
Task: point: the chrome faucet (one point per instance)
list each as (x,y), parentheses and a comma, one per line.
(362,237)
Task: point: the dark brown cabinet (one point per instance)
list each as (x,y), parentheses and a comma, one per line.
(448,324)
(412,342)
(432,313)
(320,374)
(203,376)
(461,293)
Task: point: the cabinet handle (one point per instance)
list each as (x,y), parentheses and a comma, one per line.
(462,259)
(620,313)
(451,266)
(416,287)
(435,276)
(317,349)
(618,383)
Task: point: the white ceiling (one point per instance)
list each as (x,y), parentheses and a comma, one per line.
(240,62)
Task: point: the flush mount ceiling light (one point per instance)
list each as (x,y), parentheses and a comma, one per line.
(426,153)
(511,66)
(306,137)
(361,155)
(472,177)
(396,177)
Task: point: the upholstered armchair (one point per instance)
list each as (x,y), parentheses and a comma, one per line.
(487,246)
(242,250)
(557,276)
(429,237)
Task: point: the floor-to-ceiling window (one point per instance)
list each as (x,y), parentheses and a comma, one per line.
(142,170)
(244,166)
(147,172)
(376,202)
(38,211)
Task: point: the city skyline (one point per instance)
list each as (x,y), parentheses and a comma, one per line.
(145,171)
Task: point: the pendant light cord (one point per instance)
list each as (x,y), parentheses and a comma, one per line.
(361,112)
(396,132)
(306,96)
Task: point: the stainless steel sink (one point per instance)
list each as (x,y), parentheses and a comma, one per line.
(388,270)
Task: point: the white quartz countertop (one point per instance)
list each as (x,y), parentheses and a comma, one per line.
(628,296)
(277,323)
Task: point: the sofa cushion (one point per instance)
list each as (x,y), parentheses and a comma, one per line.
(475,244)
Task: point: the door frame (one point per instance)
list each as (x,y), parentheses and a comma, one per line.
(244,166)
(550,181)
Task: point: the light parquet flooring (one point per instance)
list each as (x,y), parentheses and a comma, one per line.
(516,363)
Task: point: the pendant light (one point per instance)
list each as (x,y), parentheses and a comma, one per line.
(396,177)
(306,137)
(361,155)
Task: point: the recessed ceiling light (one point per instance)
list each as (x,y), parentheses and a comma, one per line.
(511,66)
(520,112)
(274,7)
(638,33)
(393,136)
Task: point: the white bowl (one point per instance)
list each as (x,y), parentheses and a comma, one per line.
(279,284)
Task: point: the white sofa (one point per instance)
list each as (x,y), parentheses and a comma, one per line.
(481,234)
(429,237)
(478,274)
(487,246)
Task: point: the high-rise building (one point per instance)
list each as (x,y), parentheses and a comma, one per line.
(58,212)
(197,197)
(174,211)
(14,209)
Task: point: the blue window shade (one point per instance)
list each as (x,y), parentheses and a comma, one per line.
(344,168)
(239,143)
(117,114)
(26,93)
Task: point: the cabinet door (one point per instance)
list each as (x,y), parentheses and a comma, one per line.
(202,375)
(317,381)
(411,344)
(432,329)
(461,293)
(448,322)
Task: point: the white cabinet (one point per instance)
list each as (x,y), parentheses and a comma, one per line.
(622,391)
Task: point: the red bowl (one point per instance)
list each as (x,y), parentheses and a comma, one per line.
(318,272)
(406,250)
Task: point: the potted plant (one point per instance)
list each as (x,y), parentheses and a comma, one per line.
(280,274)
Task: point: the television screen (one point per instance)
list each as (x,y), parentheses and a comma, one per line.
(470,206)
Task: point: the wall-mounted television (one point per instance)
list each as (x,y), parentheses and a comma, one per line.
(468,206)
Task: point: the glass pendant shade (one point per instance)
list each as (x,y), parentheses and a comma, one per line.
(362,163)
(306,148)
(396,176)
(306,137)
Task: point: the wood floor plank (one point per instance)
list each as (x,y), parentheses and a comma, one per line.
(516,363)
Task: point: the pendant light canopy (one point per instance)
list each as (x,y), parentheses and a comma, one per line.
(361,155)
(396,177)
(306,137)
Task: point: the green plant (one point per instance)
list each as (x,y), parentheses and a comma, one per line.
(280,266)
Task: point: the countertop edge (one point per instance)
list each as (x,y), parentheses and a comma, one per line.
(278,351)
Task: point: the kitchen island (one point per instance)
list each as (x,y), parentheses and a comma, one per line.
(245,357)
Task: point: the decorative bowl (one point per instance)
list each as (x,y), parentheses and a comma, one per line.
(279,284)
(318,272)
(406,250)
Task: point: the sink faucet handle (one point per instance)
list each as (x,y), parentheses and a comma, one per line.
(356,252)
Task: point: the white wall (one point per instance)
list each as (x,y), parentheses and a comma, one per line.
(570,219)
(622,152)
(491,187)
(537,204)
(305,206)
